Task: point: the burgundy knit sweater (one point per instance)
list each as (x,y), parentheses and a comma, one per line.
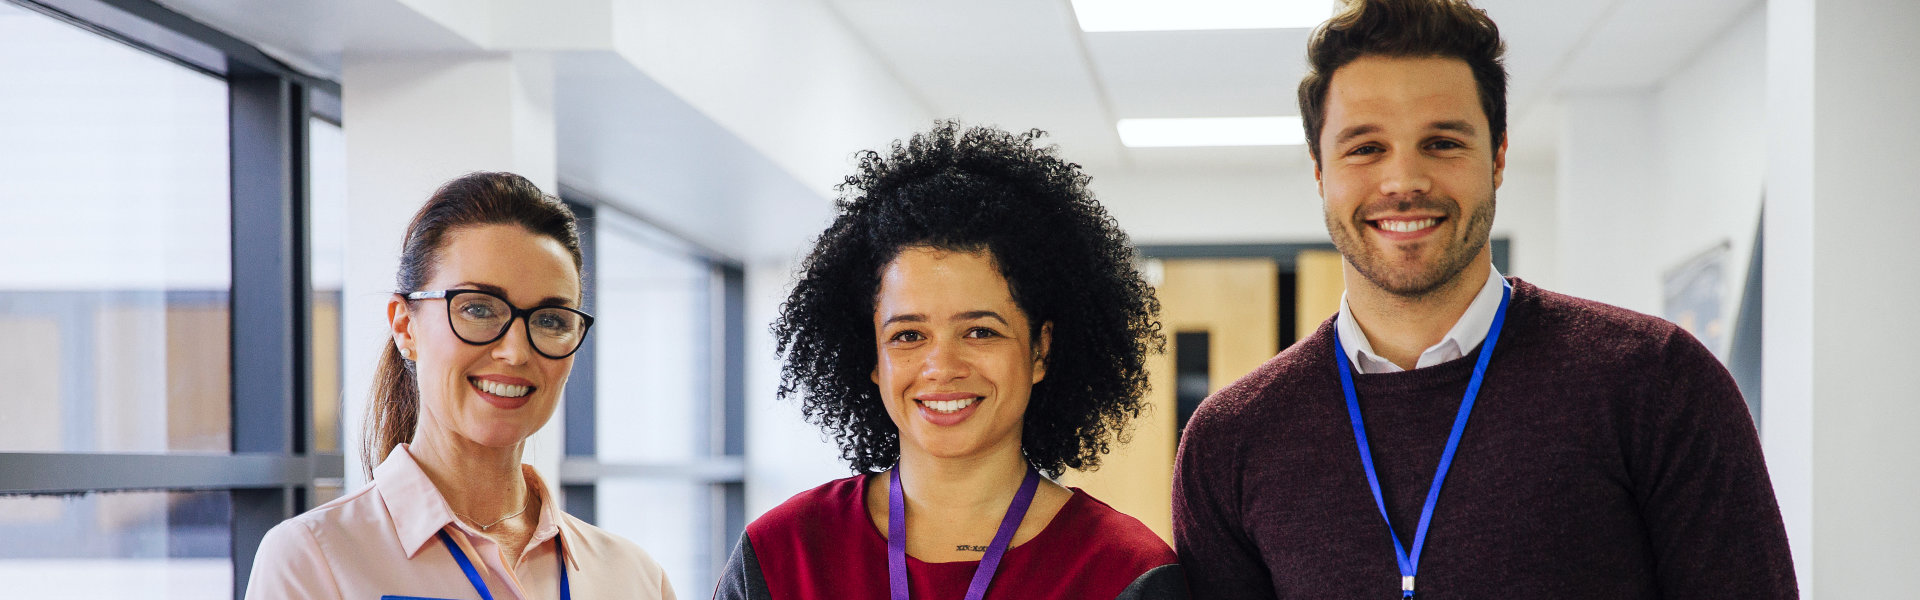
(1609,455)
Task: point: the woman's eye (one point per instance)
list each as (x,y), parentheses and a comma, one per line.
(982,332)
(906,336)
(478,311)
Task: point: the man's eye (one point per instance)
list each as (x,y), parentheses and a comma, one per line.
(1364,150)
(1446,145)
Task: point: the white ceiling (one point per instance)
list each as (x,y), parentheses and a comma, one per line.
(1025,63)
(1014,63)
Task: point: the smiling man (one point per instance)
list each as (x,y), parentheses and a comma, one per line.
(1452,432)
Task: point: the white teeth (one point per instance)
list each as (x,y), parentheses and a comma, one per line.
(1407,226)
(947,406)
(501,389)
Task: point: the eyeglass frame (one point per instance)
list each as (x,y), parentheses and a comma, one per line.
(514,313)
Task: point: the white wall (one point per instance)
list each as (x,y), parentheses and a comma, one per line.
(1652,177)
(1610,181)
(1840,388)
(1281,204)
(412,123)
(1266,206)
(790,78)
(785,455)
(1787,352)
(1711,116)
(1527,217)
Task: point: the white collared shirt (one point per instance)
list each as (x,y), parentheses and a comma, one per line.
(1466,334)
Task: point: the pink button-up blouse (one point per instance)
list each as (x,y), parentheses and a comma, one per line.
(383,541)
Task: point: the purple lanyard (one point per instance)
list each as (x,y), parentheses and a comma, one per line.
(983,574)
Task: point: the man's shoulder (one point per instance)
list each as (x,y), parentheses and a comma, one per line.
(1295,372)
(1595,328)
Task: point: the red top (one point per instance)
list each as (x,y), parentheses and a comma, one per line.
(821,544)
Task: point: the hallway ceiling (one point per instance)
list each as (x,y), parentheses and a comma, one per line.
(1025,63)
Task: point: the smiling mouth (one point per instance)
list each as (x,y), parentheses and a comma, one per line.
(501,389)
(948,406)
(1406,225)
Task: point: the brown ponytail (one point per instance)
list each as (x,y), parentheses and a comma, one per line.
(395,408)
(474,199)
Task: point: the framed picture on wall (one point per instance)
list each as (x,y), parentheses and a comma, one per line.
(1696,292)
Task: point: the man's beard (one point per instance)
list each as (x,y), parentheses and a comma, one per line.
(1418,280)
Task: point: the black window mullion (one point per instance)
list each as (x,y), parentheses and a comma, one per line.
(581,414)
(732,517)
(270,298)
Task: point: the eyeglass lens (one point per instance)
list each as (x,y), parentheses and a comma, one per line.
(480,318)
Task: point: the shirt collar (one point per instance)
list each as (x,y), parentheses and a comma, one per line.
(420,511)
(1466,334)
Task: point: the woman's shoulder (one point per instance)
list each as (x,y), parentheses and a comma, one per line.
(586,541)
(1120,535)
(1109,554)
(830,501)
(828,516)
(303,553)
(357,511)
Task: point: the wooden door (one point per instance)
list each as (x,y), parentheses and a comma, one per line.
(1234,302)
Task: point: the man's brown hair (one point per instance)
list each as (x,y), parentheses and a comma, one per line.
(1405,28)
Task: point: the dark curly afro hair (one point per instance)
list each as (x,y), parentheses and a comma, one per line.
(1065,260)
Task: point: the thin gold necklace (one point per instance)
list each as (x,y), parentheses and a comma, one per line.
(476,522)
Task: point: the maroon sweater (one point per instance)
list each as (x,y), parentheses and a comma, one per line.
(822,545)
(1609,455)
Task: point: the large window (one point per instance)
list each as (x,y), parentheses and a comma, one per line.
(114,290)
(327,220)
(155,302)
(654,447)
(117,545)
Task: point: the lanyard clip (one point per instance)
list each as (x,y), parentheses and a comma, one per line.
(1406,586)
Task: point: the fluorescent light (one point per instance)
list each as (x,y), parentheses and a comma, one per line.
(1232,131)
(1169,15)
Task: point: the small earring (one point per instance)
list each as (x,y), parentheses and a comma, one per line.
(406,353)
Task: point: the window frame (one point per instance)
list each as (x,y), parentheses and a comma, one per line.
(272,471)
(723,467)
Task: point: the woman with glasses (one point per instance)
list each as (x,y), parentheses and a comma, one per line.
(970,326)
(485,324)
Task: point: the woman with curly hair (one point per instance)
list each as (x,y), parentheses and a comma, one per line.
(969,322)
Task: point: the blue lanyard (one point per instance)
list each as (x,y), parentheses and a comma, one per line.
(1410,564)
(479,585)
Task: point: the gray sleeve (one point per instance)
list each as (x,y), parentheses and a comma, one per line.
(741,579)
(1165,582)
